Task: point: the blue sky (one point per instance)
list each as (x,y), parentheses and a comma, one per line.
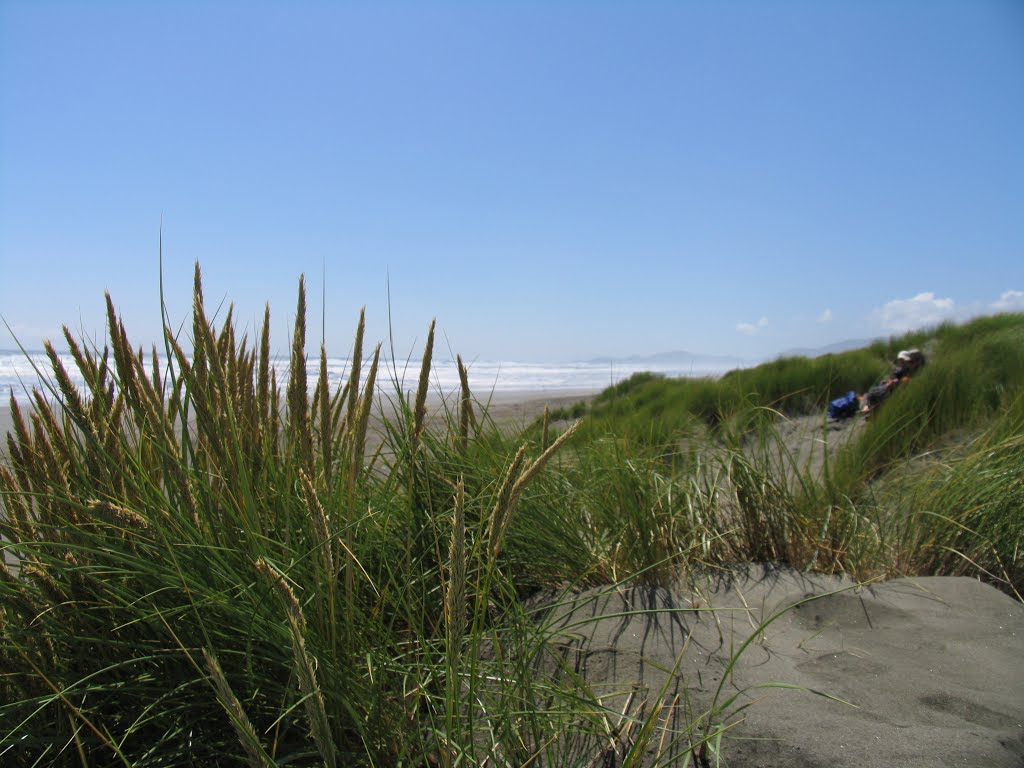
(550,180)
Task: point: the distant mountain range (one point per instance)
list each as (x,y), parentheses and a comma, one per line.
(830,349)
(683,360)
(678,359)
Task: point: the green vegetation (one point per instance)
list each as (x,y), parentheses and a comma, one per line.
(883,504)
(204,565)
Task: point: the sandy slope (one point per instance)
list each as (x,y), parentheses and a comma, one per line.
(931,667)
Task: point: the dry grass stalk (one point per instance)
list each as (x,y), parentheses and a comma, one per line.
(455,614)
(503,506)
(241,379)
(17,523)
(363,422)
(321,524)
(203,396)
(467,418)
(512,488)
(84,361)
(152,409)
(274,424)
(189,495)
(420,410)
(49,466)
(157,381)
(226,340)
(357,362)
(455,598)
(122,351)
(179,355)
(19,446)
(357,442)
(530,472)
(73,403)
(305,664)
(20,464)
(258,758)
(263,402)
(112,422)
(14,452)
(14,595)
(322,404)
(219,390)
(152,406)
(215,408)
(299,437)
(117,514)
(198,333)
(53,429)
(338,401)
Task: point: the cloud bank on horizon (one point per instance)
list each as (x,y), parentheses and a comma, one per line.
(926,309)
(917,312)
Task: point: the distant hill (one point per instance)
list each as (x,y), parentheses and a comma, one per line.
(830,349)
(678,359)
(681,359)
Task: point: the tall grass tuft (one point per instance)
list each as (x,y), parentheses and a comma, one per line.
(201,571)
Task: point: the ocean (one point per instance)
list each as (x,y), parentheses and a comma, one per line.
(20,372)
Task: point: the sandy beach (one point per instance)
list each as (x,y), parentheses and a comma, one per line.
(518,409)
(507,409)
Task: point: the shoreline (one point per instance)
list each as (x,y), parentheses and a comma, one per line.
(517,409)
(509,409)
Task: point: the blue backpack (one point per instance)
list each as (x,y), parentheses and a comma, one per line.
(843,407)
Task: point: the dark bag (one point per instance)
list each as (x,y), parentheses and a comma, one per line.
(843,407)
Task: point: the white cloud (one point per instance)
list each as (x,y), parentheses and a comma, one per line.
(825,317)
(903,315)
(751,329)
(1010,301)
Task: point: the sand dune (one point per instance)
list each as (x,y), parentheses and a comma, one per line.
(930,667)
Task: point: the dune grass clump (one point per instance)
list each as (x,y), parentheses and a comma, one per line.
(799,384)
(645,403)
(205,565)
(979,362)
(980,372)
(676,474)
(958,511)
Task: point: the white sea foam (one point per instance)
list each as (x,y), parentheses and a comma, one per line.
(20,373)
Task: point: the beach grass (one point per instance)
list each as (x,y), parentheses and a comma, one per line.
(205,565)
(883,503)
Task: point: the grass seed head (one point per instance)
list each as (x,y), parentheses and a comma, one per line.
(420,411)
